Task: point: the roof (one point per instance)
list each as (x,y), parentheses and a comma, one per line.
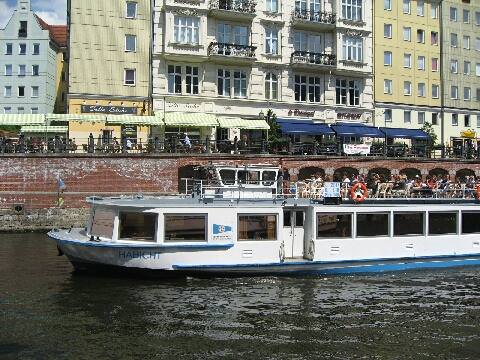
(58,33)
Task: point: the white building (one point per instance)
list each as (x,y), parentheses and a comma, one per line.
(239,58)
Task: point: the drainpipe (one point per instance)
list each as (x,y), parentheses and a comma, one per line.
(442,80)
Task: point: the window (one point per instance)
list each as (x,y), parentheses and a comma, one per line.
(453,14)
(131,10)
(130,43)
(191,80)
(137,226)
(406,6)
(420,7)
(470,222)
(34,91)
(8,49)
(36,70)
(435,91)
(271,86)
(434,64)
(387,58)
(22,49)
(477,18)
(442,223)
(421,62)
(352,10)
(453,40)
(314,89)
(405,224)
(478,121)
(34,110)
(387,31)
(407,33)
(478,94)
(434,11)
(466,42)
(387,5)
(186,30)
(434,37)
(21,91)
(466,121)
(369,225)
(454,92)
(421,89)
(36,49)
(407,61)
(223,82)
(300,42)
(239,84)
(387,86)
(477,44)
(407,88)
(7,91)
(334,225)
(387,115)
(21,110)
(129,77)
(22,32)
(466,67)
(467,94)
(257,227)
(300,88)
(185,227)
(407,116)
(352,48)
(271,41)
(240,35)
(63,76)
(421,117)
(347,92)
(7,110)
(272,6)
(454,66)
(8,70)
(454,119)
(22,70)
(421,36)
(466,16)
(477,69)
(434,118)
(174,79)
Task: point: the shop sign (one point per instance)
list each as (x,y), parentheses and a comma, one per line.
(349,116)
(182,106)
(356,149)
(468,134)
(116,110)
(298,112)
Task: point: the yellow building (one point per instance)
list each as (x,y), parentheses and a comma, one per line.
(407,63)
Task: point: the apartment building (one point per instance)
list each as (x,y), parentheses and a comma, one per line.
(236,59)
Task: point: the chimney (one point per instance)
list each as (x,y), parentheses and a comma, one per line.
(23,5)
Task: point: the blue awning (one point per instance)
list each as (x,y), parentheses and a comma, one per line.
(357,130)
(305,127)
(405,133)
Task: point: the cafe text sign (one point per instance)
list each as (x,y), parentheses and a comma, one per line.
(298,112)
(115,110)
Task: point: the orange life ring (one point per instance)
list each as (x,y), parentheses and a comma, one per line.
(478,192)
(359,192)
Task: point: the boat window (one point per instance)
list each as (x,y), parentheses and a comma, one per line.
(102,223)
(334,225)
(257,227)
(372,224)
(227,176)
(242,176)
(287,218)
(442,223)
(470,222)
(269,178)
(137,226)
(185,227)
(248,177)
(299,218)
(408,223)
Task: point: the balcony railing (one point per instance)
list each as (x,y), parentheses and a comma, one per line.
(314,16)
(307,57)
(233,50)
(242,6)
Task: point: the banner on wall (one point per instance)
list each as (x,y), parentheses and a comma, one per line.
(356,149)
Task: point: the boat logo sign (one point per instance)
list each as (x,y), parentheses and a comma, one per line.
(222,233)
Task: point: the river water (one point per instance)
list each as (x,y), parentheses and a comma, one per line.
(47,312)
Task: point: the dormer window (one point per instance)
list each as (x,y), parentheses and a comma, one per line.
(22,32)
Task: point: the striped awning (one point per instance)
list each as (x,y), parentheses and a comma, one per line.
(239,123)
(190,119)
(44,129)
(76,117)
(134,120)
(22,119)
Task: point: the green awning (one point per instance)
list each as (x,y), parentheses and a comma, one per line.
(190,119)
(44,129)
(134,120)
(22,119)
(76,117)
(239,123)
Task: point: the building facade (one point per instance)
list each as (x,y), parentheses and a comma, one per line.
(28,65)
(239,58)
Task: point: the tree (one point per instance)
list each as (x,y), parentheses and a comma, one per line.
(274,134)
(428,128)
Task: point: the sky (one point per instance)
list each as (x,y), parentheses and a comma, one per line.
(52,11)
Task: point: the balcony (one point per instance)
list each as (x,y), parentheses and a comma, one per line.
(307,59)
(313,19)
(231,53)
(233,9)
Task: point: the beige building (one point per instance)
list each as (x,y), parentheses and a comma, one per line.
(239,58)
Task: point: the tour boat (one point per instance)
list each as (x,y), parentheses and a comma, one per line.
(243,221)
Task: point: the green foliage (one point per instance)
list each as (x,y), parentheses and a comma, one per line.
(274,134)
(428,128)
(10,128)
